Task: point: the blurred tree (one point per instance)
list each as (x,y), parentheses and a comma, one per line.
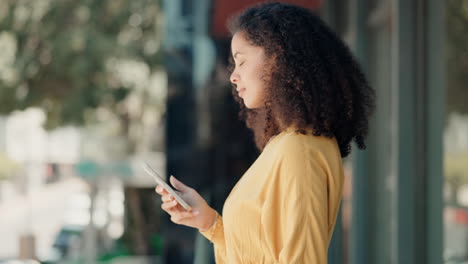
(456,160)
(72,58)
(7,167)
(84,62)
(457,56)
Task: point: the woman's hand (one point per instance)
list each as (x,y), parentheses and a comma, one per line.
(202,215)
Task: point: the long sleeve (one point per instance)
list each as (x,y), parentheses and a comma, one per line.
(284,208)
(216,235)
(295,218)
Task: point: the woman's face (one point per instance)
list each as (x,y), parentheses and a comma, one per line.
(249,69)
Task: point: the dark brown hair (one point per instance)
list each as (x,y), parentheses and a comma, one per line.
(314,81)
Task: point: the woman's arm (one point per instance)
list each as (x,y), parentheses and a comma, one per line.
(202,216)
(216,235)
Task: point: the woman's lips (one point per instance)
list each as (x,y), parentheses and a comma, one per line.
(241,91)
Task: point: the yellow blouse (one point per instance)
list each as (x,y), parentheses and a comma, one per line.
(284,208)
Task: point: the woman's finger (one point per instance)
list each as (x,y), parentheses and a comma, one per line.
(159,189)
(167,198)
(168,205)
(178,217)
(179,185)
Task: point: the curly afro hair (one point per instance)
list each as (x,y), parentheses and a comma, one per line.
(314,82)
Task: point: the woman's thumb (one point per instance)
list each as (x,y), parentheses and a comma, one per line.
(178,184)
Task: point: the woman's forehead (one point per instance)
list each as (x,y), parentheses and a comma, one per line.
(241,46)
(239,43)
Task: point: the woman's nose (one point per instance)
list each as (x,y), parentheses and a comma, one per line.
(234,77)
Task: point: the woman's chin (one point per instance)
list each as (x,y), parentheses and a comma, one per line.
(247,104)
(250,106)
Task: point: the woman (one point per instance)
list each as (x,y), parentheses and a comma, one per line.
(306,100)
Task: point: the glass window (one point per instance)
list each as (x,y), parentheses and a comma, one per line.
(456,134)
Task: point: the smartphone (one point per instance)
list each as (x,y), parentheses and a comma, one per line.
(166,186)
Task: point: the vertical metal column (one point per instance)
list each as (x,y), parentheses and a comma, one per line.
(419,82)
(404,69)
(435,96)
(361,215)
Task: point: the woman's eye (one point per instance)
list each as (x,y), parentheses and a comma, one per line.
(241,63)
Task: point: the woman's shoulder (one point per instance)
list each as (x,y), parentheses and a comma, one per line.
(293,150)
(295,147)
(292,140)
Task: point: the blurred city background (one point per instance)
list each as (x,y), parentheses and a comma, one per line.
(89,89)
